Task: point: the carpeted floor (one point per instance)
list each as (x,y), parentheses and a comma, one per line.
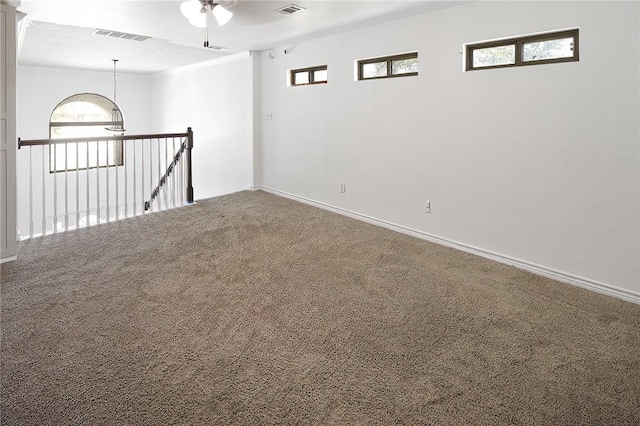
(254,309)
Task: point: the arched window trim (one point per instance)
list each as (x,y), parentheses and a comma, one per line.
(77,158)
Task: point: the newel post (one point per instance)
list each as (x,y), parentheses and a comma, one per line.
(189,177)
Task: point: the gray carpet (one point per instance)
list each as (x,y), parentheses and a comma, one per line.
(254,309)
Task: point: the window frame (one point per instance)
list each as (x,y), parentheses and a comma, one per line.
(102,102)
(310,71)
(389,60)
(518,43)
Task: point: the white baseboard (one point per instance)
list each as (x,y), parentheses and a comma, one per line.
(8,259)
(598,287)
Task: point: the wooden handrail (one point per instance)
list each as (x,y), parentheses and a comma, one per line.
(36,142)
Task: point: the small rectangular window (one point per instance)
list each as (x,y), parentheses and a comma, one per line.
(320,76)
(374,70)
(388,66)
(494,56)
(560,46)
(548,49)
(312,75)
(404,66)
(301,78)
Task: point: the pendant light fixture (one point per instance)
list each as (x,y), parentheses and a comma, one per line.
(117,122)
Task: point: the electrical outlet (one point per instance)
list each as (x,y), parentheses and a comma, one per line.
(428,207)
(342,188)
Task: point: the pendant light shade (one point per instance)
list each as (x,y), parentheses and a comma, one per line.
(222,15)
(199,20)
(192,10)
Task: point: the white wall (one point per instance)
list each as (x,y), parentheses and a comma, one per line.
(536,165)
(215,100)
(41,89)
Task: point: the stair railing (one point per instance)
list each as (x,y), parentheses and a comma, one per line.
(86,181)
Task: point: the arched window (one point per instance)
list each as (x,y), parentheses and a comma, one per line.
(84,115)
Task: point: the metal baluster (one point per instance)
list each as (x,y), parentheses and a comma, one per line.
(77,185)
(30,194)
(150,176)
(184,177)
(175,170)
(87,212)
(97,182)
(135,165)
(126,183)
(172,193)
(115,162)
(166,167)
(163,172)
(55,188)
(142,175)
(45,166)
(107,178)
(181,181)
(66,187)
(159,174)
(167,183)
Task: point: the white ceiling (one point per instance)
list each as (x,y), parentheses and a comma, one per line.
(59,32)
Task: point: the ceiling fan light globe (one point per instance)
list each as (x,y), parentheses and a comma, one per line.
(199,20)
(190,8)
(222,15)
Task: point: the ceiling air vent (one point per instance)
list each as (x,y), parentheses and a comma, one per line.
(291,9)
(118,34)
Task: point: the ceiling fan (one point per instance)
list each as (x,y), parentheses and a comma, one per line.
(196,12)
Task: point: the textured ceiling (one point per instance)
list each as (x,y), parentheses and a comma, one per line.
(59,32)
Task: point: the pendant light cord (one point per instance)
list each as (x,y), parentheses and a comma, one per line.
(117,121)
(114,80)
